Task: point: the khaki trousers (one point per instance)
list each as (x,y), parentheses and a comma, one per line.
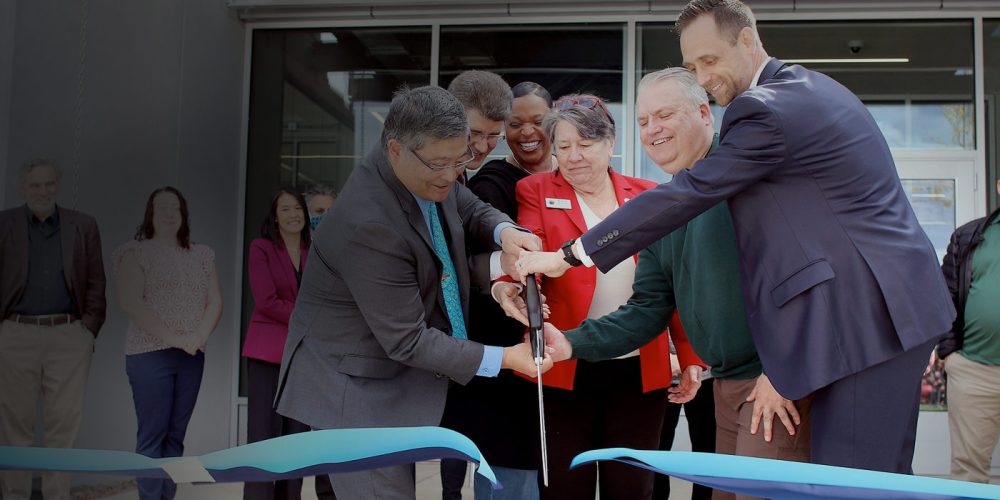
(51,363)
(973,416)
(733,416)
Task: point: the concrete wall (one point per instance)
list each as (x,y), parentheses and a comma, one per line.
(7,16)
(127,97)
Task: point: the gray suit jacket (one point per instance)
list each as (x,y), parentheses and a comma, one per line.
(369,342)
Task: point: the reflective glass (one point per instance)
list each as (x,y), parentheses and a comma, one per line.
(564,58)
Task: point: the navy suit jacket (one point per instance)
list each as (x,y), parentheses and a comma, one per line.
(837,274)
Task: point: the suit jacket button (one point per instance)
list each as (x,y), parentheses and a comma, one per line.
(600,243)
(438,375)
(615,232)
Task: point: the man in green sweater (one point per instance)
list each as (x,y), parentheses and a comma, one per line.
(695,270)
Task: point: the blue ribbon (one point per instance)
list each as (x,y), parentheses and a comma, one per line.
(296,455)
(783,480)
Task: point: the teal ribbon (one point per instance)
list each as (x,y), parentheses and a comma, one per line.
(296,455)
(783,480)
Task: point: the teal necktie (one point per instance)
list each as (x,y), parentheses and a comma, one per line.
(449,282)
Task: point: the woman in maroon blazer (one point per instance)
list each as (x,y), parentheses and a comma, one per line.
(275,269)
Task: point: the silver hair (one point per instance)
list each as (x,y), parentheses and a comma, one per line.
(319,190)
(484,92)
(592,124)
(693,92)
(34,163)
(424,112)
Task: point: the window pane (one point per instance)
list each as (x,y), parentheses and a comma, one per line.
(566,58)
(924,103)
(933,201)
(991,89)
(317,101)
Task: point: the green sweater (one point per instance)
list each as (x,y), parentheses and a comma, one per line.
(696,270)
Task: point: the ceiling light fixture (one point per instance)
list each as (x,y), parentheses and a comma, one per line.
(869,60)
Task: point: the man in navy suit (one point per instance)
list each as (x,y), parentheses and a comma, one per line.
(842,289)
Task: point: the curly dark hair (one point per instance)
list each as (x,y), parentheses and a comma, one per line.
(146,231)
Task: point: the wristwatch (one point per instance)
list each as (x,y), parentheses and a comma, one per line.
(567,249)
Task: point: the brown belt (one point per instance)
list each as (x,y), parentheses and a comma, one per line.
(46,320)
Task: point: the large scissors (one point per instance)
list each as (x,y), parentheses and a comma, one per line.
(536,334)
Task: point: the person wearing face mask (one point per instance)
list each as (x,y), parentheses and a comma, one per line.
(319,199)
(169,288)
(52,307)
(842,288)
(614,403)
(274,268)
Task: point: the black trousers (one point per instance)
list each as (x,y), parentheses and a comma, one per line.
(869,420)
(606,409)
(700,414)
(265,423)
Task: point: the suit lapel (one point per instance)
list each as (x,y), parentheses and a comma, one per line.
(287,269)
(407,202)
(623,192)
(21,243)
(560,189)
(67,233)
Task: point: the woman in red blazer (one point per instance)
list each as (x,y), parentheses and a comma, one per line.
(614,403)
(275,266)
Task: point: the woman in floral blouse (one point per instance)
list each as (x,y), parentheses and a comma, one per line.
(169,288)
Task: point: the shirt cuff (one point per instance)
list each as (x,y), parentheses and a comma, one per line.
(495,270)
(492,359)
(493,289)
(581,254)
(504,225)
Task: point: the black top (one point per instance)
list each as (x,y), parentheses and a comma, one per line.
(46,291)
(496,413)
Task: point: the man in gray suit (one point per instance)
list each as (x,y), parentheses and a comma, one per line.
(378,330)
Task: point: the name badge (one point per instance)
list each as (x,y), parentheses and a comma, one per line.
(558,203)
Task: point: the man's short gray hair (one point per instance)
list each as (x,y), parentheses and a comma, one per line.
(593,124)
(484,92)
(692,92)
(34,163)
(319,190)
(416,114)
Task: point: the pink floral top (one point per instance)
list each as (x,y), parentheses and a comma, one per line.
(176,288)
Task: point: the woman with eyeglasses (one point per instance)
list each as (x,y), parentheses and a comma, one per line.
(614,403)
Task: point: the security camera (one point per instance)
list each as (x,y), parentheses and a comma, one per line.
(855,46)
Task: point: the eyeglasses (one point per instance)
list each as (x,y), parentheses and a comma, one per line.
(491,139)
(471,157)
(587,102)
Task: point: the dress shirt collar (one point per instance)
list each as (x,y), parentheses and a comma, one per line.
(756,76)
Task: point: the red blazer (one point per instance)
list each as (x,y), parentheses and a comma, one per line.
(569,296)
(274,288)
